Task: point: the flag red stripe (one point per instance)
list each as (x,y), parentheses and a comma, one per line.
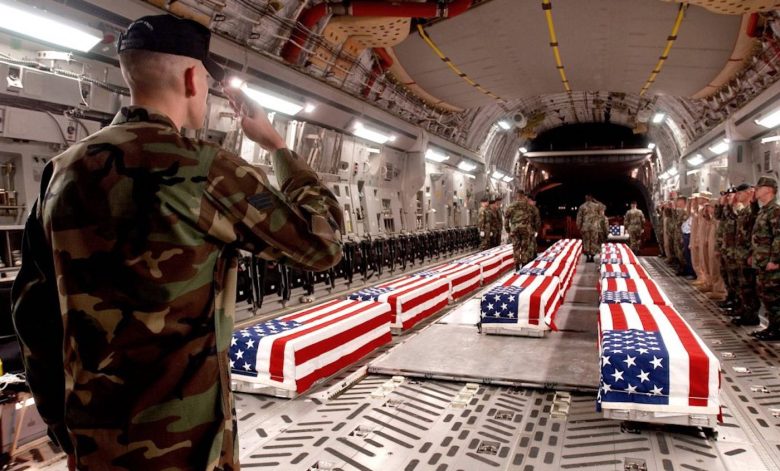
(305,383)
(329,343)
(320,307)
(655,293)
(276,367)
(698,362)
(646,317)
(618,317)
(428,312)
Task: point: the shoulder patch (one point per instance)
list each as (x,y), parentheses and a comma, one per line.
(261,201)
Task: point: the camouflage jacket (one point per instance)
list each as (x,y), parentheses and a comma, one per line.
(520,215)
(766,236)
(589,216)
(143,226)
(498,221)
(727,232)
(536,220)
(485,220)
(745,219)
(634,220)
(678,218)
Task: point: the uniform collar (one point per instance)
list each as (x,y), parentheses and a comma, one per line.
(139,114)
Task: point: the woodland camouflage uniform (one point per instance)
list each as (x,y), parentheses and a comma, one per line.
(143,226)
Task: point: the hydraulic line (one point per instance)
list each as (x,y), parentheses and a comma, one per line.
(669,43)
(547,7)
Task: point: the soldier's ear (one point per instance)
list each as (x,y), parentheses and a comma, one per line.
(190,82)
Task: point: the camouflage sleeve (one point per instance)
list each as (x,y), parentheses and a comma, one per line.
(299,225)
(580,215)
(35,311)
(537,220)
(774,224)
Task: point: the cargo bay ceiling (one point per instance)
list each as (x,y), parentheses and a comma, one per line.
(457,67)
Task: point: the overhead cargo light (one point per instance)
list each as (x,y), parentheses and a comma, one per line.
(509,179)
(272,101)
(498,175)
(373,150)
(696,159)
(504,125)
(523,150)
(468,175)
(673,172)
(372,135)
(45,27)
(467,166)
(770,139)
(769,121)
(309,108)
(651,146)
(658,117)
(720,147)
(435,156)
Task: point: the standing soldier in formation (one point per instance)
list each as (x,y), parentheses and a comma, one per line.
(726,241)
(498,221)
(520,224)
(589,221)
(634,221)
(746,212)
(679,216)
(659,229)
(671,253)
(485,224)
(765,255)
(717,283)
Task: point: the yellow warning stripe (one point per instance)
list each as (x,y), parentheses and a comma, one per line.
(547,7)
(455,68)
(669,42)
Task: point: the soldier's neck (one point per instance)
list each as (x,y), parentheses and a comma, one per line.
(173,109)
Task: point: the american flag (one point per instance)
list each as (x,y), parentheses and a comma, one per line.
(652,360)
(531,301)
(411,298)
(630,290)
(616,230)
(295,351)
(463,279)
(609,270)
(618,254)
(563,267)
(492,263)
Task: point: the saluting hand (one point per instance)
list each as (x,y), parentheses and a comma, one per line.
(254,121)
(772,266)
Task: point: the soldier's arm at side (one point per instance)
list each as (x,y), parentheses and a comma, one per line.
(38,325)
(774,249)
(300,224)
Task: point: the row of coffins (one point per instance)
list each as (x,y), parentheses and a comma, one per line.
(653,366)
(525,303)
(285,356)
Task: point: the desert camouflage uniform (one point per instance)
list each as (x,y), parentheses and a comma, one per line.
(485,225)
(634,221)
(746,274)
(589,222)
(669,242)
(679,216)
(536,225)
(766,248)
(520,223)
(143,226)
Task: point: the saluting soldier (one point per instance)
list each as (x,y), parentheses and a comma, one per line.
(727,244)
(634,221)
(765,255)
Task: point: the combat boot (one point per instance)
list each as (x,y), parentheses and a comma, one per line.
(768,334)
(746,320)
(728,303)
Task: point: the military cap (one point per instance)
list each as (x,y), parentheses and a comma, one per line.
(767,181)
(484,199)
(705,194)
(492,199)
(170,35)
(743,187)
(695,195)
(731,190)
